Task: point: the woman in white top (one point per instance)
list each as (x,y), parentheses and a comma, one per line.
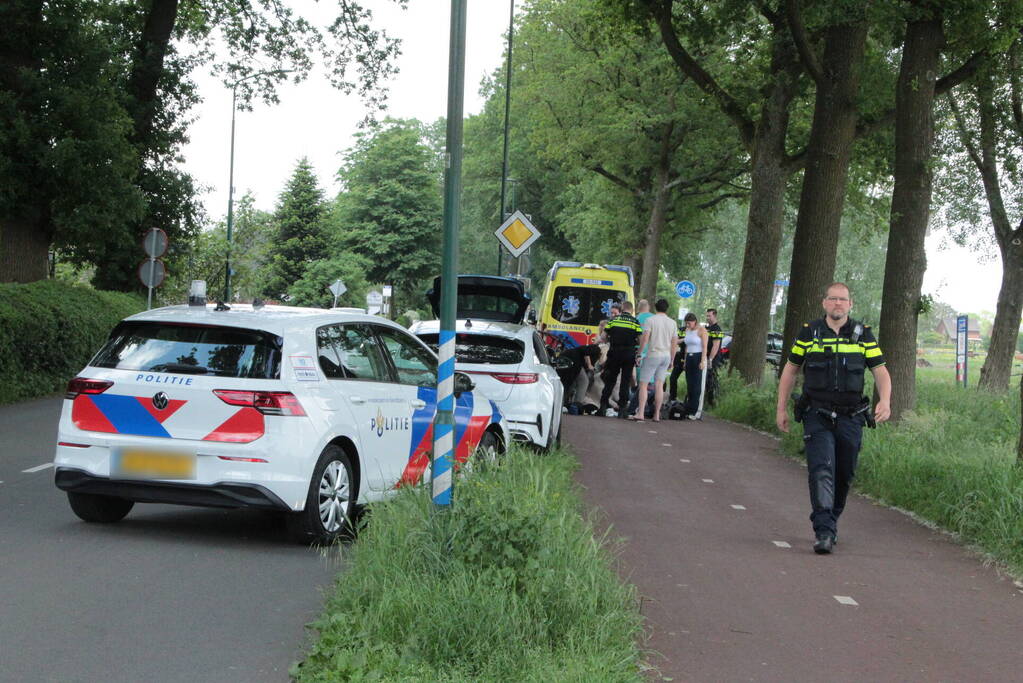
(657,345)
(696,364)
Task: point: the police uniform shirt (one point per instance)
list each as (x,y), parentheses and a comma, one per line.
(714,332)
(834,365)
(623,333)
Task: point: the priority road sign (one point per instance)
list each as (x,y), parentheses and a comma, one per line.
(517,234)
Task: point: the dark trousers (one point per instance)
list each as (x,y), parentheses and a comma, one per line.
(832,448)
(694,378)
(618,363)
(676,372)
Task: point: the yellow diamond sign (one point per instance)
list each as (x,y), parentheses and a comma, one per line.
(517,234)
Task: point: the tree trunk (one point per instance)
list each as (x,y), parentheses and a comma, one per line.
(635,261)
(147,64)
(658,216)
(827,165)
(911,200)
(770,173)
(24,246)
(1019,446)
(994,374)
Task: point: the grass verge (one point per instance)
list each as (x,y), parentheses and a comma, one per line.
(509,585)
(952,462)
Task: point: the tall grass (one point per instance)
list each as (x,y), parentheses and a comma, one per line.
(951,462)
(509,585)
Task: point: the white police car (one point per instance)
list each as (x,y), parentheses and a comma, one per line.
(505,357)
(306,411)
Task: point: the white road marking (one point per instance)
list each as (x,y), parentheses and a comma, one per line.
(650,431)
(738,507)
(38,468)
(782,544)
(684,460)
(708,481)
(666,444)
(846,600)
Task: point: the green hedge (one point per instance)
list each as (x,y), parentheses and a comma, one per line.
(49,331)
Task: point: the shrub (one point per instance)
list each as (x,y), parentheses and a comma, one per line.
(49,330)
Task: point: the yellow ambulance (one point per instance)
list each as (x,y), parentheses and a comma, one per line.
(577,297)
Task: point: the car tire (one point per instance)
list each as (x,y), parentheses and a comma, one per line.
(91,507)
(330,503)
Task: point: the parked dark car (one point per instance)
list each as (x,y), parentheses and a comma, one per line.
(775,353)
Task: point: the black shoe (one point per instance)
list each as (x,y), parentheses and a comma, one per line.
(824,544)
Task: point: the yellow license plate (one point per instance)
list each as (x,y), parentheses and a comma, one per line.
(146,464)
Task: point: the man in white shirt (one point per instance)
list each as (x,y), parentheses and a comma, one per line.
(659,343)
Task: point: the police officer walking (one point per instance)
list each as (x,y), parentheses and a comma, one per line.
(834,352)
(623,332)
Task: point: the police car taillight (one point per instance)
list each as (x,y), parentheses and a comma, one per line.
(266,402)
(83,385)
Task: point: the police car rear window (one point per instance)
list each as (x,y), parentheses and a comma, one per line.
(482,348)
(583,305)
(192,350)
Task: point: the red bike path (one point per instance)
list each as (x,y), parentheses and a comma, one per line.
(717,539)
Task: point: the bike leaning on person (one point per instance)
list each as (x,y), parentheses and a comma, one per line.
(834,352)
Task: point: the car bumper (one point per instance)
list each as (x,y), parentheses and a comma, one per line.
(224,494)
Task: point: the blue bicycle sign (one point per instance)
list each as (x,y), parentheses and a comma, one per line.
(685,289)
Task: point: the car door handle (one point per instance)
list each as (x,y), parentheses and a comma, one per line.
(418,404)
(357,400)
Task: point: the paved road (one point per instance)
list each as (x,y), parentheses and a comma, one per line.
(168,594)
(718,542)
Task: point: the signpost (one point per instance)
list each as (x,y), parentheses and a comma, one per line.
(337,289)
(962,334)
(685,289)
(374,302)
(152,271)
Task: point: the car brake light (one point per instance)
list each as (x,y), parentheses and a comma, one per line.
(515,377)
(83,385)
(266,402)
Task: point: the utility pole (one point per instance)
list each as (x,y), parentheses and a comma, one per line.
(507,112)
(442,463)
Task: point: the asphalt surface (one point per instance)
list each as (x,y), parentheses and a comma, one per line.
(736,593)
(168,594)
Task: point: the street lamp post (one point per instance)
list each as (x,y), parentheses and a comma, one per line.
(230,180)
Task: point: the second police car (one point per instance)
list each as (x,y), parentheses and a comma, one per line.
(305,411)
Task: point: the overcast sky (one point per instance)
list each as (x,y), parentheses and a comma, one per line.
(315,121)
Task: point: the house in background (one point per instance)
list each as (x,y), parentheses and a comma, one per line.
(947,328)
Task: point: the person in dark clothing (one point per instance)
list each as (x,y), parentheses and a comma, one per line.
(583,358)
(623,332)
(833,352)
(677,367)
(714,358)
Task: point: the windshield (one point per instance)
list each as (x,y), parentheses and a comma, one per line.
(482,348)
(583,305)
(191,349)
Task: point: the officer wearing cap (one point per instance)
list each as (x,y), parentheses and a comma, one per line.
(834,352)
(623,334)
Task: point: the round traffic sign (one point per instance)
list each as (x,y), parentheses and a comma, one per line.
(155,243)
(152,272)
(685,289)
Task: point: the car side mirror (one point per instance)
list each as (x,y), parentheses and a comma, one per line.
(531,317)
(463,383)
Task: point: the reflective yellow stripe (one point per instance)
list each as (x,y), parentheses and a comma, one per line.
(838,348)
(797,350)
(872,353)
(804,344)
